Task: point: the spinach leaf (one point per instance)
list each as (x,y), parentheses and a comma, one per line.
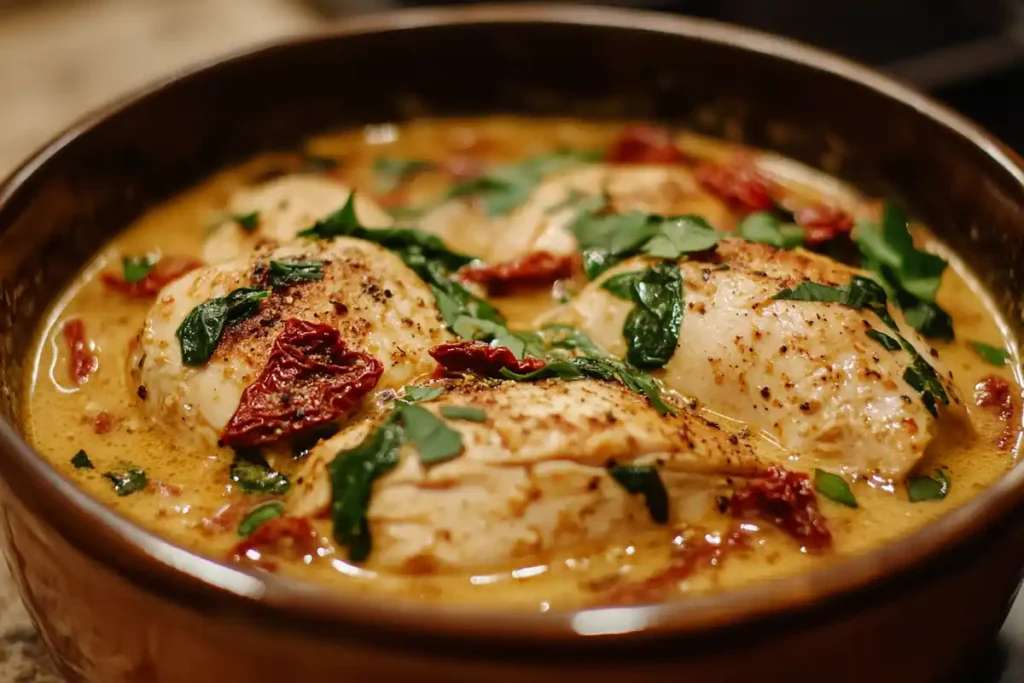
(993,355)
(911,275)
(623,285)
(921,488)
(258,515)
(644,480)
(253,474)
(923,378)
(435,441)
(247,221)
(285,273)
(652,327)
(463,413)
(127,480)
(201,330)
(834,487)
(507,186)
(421,393)
(136,268)
(885,340)
(391,172)
(563,338)
(861,292)
(353,473)
(607,240)
(765,228)
(81,461)
(682,235)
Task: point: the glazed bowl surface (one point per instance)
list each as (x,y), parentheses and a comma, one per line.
(117,604)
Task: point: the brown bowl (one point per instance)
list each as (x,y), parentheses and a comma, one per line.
(117,604)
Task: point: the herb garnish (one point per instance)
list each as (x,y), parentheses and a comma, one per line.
(834,487)
(127,480)
(993,355)
(435,440)
(136,268)
(421,393)
(644,480)
(285,273)
(763,227)
(652,327)
(81,461)
(505,187)
(885,340)
(247,221)
(259,515)
(922,487)
(389,173)
(682,235)
(201,330)
(253,474)
(912,276)
(468,413)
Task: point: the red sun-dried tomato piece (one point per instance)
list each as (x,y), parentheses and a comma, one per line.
(787,500)
(822,223)
(739,184)
(310,379)
(83,360)
(289,534)
(103,423)
(167,270)
(536,269)
(645,145)
(481,358)
(995,392)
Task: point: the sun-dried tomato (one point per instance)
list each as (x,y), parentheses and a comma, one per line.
(310,379)
(287,535)
(645,145)
(739,184)
(690,555)
(167,270)
(481,358)
(103,423)
(787,500)
(536,269)
(83,360)
(822,223)
(995,392)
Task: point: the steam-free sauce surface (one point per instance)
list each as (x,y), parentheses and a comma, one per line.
(605,552)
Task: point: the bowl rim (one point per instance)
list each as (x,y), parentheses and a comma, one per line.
(164,569)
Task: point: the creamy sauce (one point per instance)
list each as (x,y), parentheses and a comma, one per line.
(190,500)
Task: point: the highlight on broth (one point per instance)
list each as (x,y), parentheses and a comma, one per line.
(534,363)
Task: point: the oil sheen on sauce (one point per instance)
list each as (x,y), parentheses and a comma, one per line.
(190,500)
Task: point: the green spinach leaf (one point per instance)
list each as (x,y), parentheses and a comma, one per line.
(136,268)
(652,327)
(259,515)
(834,487)
(253,474)
(421,394)
(127,480)
(201,330)
(468,413)
(81,461)
(993,355)
(885,340)
(644,480)
(682,235)
(435,440)
(247,221)
(921,488)
(765,228)
(285,273)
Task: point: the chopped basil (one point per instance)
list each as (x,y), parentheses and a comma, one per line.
(468,413)
(993,355)
(765,228)
(507,186)
(834,487)
(682,235)
(912,275)
(247,221)
(81,461)
(201,330)
(136,268)
(389,173)
(421,394)
(644,480)
(922,488)
(254,475)
(285,273)
(127,480)
(352,475)
(258,515)
(885,340)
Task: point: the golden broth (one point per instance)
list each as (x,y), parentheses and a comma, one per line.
(190,500)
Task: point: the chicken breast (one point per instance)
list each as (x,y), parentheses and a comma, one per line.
(540,223)
(284,207)
(532,479)
(806,373)
(379,306)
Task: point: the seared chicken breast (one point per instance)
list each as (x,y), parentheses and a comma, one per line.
(280,209)
(804,372)
(379,306)
(533,477)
